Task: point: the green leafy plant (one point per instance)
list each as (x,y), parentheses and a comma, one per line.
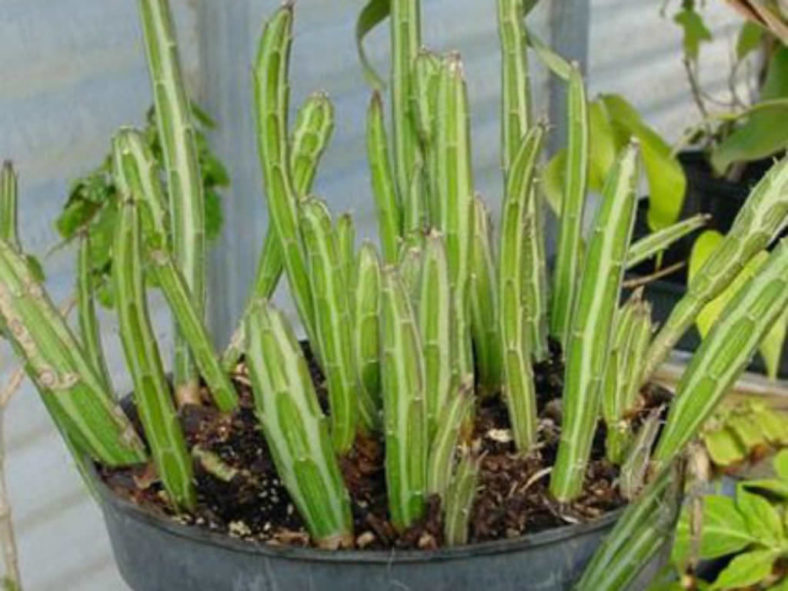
(93,204)
(749,530)
(408,342)
(746,129)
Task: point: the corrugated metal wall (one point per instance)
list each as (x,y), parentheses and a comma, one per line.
(71,71)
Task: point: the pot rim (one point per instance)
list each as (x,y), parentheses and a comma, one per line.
(111,501)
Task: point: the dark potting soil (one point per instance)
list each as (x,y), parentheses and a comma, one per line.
(239,493)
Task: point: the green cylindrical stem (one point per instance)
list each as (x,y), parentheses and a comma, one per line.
(405,19)
(622,374)
(271,90)
(346,248)
(137,177)
(435,312)
(314,126)
(414,220)
(654,243)
(453,415)
(638,535)
(569,255)
(634,470)
(184,181)
(366,328)
(724,353)
(485,325)
(455,194)
(384,187)
(516,121)
(295,428)
(8,205)
(152,396)
(424,105)
(89,332)
(459,500)
(763,215)
(592,325)
(332,316)
(404,412)
(313,129)
(58,366)
(518,373)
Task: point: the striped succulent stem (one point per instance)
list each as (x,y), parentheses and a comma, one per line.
(314,126)
(402,379)
(622,374)
(405,20)
(654,243)
(384,187)
(516,120)
(58,366)
(592,325)
(332,316)
(346,249)
(424,104)
(724,353)
(271,90)
(312,132)
(435,311)
(89,333)
(637,536)
(414,214)
(518,376)
(634,470)
(456,193)
(366,328)
(485,325)
(8,205)
(136,176)
(569,250)
(152,396)
(453,415)
(184,181)
(411,257)
(295,428)
(459,500)
(762,216)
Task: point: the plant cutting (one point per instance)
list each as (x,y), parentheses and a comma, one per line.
(437,384)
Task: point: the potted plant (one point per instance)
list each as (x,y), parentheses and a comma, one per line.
(441,410)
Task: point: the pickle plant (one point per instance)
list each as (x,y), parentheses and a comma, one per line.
(409,340)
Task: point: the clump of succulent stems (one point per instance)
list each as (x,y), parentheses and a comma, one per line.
(410,338)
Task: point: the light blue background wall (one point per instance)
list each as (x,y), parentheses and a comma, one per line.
(71,71)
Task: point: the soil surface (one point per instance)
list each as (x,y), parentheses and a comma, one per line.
(240,495)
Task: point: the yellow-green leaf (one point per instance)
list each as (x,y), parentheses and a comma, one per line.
(746,569)
(772,344)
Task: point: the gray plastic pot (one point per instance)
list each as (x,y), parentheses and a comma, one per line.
(154,554)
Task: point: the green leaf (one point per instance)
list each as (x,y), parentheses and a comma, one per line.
(746,569)
(695,31)
(213,215)
(375,12)
(603,145)
(764,132)
(724,530)
(553,180)
(772,344)
(749,39)
(723,447)
(665,176)
(763,519)
(770,485)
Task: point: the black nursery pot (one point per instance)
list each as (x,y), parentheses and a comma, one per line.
(155,554)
